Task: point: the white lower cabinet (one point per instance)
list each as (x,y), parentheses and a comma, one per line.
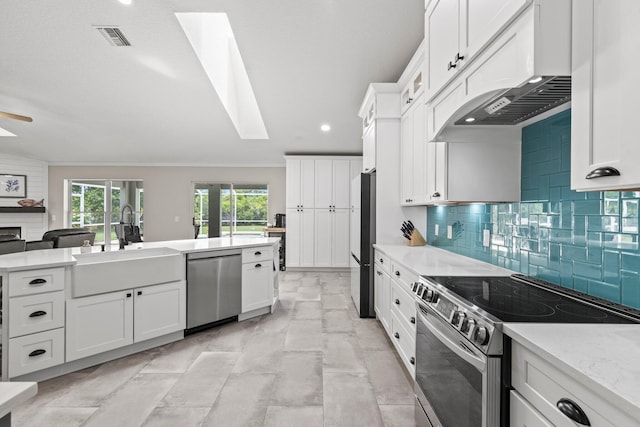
(381,297)
(34,352)
(104,322)
(522,414)
(300,237)
(257,285)
(545,386)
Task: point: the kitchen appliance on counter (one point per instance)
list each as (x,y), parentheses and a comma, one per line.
(214,288)
(363,225)
(462,356)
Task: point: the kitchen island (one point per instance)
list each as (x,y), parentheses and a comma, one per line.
(65,310)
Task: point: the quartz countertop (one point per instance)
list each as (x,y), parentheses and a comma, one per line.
(47,258)
(431,261)
(13,394)
(604,358)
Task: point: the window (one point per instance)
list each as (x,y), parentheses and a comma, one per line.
(230,209)
(98,206)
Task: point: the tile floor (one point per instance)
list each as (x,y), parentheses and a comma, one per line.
(311,363)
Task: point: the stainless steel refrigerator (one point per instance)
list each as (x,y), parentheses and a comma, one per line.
(363,228)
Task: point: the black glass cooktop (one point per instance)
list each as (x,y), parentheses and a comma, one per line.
(520,298)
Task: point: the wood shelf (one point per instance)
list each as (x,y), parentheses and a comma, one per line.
(20,209)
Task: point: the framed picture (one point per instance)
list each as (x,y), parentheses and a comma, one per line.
(13,186)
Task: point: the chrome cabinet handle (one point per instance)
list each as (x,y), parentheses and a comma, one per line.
(572,411)
(602,172)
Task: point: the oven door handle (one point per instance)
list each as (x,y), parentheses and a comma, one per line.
(437,327)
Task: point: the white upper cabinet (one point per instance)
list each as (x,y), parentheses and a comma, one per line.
(332,183)
(537,43)
(413,155)
(412,91)
(604,91)
(460,172)
(300,177)
(456,30)
(369,148)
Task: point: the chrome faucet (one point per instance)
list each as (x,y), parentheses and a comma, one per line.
(122,240)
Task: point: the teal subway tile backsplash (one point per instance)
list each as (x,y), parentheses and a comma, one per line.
(583,241)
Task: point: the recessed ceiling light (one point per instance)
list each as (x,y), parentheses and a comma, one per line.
(127,2)
(535,80)
(470,119)
(325,128)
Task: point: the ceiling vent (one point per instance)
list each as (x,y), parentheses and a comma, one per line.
(114,36)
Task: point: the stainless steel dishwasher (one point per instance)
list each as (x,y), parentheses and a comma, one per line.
(214,286)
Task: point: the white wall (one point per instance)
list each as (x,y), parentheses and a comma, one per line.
(33,224)
(168,192)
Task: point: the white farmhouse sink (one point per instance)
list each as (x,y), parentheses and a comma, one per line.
(102,272)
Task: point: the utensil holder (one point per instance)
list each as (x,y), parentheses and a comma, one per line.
(416,239)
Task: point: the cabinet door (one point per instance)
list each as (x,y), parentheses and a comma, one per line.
(98,323)
(307,183)
(256,284)
(441,31)
(604,91)
(324,183)
(406,159)
(522,414)
(323,238)
(293,182)
(419,157)
(307,237)
(382,292)
(159,310)
(340,238)
(293,238)
(437,171)
(341,181)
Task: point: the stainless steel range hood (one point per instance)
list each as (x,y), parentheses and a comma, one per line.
(517,105)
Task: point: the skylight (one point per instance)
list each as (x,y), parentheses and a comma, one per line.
(4,132)
(212,39)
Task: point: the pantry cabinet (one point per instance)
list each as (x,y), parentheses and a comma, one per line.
(604,93)
(331,228)
(300,182)
(456,30)
(331,177)
(300,237)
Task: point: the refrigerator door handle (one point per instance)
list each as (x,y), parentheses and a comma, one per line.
(355,257)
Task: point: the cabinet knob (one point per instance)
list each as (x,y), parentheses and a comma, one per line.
(413,320)
(397,335)
(128,294)
(436,194)
(397,301)
(412,360)
(451,65)
(602,172)
(572,411)
(139,293)
(397,273)
(381,260)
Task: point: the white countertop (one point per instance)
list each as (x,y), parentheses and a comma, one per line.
(13,394)
(47,258)
(602,357)
(432,261)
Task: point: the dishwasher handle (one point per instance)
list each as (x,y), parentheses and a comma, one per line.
(213,254)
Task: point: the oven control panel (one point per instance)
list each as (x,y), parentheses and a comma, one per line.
(471,325)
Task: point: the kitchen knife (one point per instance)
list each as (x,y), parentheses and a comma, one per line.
(411,227)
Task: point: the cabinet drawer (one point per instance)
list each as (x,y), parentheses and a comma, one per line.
(36,281)
(257,254)
(404,305)
(543,385)
(36,313)
(34,352)
(383,261)
(403,276)
(522,414)
(405,343)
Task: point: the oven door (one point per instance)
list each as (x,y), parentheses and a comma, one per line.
(456,385)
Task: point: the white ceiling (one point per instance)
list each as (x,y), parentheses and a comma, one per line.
(309,62)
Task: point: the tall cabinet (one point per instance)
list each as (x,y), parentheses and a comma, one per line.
(318,207)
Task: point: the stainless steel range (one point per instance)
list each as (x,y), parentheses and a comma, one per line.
(462,356)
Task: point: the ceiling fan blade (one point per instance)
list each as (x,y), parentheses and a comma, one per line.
(15,116)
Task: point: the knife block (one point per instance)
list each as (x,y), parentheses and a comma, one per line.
(416,239)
